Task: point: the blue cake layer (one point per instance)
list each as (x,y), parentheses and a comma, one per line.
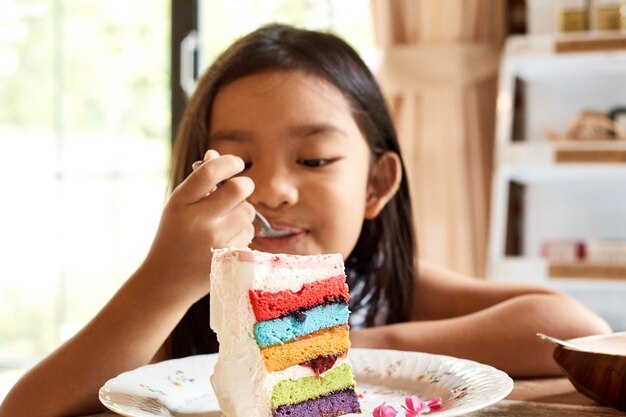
(282,329)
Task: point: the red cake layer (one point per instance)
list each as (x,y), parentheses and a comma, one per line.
(270,305)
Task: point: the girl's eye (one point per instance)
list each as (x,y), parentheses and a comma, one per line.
(314,163)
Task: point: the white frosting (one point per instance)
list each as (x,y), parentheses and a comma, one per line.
(272,279)
(296,372)
(241,383)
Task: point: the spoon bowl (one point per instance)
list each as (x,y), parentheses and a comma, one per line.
(266,227)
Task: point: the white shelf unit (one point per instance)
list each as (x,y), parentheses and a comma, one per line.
(540,192)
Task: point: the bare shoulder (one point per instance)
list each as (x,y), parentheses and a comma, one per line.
(442,293)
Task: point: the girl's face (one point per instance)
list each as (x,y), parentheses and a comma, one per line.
(304,152)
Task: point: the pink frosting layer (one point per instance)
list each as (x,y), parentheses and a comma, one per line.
(331,261)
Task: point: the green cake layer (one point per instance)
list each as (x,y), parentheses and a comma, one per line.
(295,391)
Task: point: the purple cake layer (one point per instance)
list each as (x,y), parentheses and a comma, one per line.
(335,404)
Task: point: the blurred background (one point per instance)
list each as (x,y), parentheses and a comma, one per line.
(91,94)
(85,138)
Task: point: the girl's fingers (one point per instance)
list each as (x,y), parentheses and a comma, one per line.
(211,154)
(207,176)
(244,215)
(243,238)
(233,227)
(228,196)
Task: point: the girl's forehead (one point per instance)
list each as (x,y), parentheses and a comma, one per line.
(282,95)
(277,84)
(272,106)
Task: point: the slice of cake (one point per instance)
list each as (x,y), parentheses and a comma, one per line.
(282,324)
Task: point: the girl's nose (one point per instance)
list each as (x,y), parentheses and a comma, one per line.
(274,187)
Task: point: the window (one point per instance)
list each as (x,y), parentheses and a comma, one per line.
(84,152)
(222,21)
(204,28)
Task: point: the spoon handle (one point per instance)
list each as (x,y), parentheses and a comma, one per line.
(559,342)
(265,224)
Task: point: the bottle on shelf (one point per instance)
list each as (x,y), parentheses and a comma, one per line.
(607,14)
(573,15)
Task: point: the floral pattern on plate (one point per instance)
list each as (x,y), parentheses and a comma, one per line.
(182,386)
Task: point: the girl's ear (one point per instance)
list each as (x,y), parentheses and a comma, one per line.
(383,183)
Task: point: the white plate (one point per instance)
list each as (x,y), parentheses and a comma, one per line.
(181,387)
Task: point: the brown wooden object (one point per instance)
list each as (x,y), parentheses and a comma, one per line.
(599,373)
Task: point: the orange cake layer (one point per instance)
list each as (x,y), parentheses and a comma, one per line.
(325,342)
(270,305)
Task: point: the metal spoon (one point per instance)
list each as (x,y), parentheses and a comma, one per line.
(266,228)
(560,342)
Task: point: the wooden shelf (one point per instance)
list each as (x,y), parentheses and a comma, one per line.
(564,152)
(600,42)
(540,271)
(532,162)
(590,156)
(547,56)
(587,270)
(559,189)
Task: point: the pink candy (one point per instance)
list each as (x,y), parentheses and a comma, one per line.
(435,404)
(413,408)
(384,410)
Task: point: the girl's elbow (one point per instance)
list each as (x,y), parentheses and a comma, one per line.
(581,321)
(597,325)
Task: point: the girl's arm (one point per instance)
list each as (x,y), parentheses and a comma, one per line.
(131,329)
(490,322)
(127,333)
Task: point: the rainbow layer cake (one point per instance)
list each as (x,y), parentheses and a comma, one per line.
(282,324)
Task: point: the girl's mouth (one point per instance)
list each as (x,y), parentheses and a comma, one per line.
(277,230)
(294,234)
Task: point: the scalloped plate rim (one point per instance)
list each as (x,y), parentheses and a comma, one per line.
(118,386)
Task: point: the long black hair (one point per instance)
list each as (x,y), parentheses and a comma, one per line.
(383,262)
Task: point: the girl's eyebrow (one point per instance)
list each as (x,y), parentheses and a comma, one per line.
(299,132)
(310,129)
(234,134)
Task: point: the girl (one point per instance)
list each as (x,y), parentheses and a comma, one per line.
(292,123)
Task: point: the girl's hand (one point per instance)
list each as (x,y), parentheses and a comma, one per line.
(200,216)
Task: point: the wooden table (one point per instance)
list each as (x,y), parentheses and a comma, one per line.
(549,397)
